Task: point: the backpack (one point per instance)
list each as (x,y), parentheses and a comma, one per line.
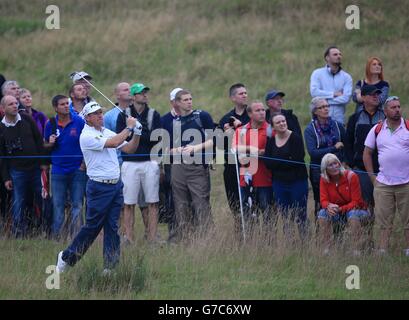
(380,124)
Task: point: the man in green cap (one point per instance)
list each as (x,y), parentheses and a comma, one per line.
(140,174)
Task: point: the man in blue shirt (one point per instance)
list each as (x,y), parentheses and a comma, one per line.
(62,135)
(332,83)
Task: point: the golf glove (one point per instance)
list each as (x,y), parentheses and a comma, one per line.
(138,128)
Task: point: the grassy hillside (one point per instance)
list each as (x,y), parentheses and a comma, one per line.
(205,46)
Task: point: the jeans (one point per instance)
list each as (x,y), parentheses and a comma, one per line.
(357,214)
(23,183)
(74,183)
(231,187)
(104,203)
(291,198)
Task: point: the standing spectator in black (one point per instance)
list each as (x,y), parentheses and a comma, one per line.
(168,204)
(19,136)
(290,179)
(323,135)
(5,195)
(373,76)
(235,118)
(2,80)
(359,125)
(275,102)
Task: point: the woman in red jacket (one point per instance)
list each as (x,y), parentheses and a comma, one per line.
(340,194)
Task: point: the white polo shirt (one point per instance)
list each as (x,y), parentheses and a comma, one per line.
(102,163)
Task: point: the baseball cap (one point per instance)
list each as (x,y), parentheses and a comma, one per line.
(173,93)
(138,88)
(90,107)
(75,76)
(273,93)
(368,89)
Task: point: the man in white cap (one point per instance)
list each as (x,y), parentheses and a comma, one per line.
(83,78)
(167,122)
(104,188)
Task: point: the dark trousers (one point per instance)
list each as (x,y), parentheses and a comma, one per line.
(231,187)
(291,199)
(168,201)
(104,203)
(26,188)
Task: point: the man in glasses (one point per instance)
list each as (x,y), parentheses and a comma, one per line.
(391,185)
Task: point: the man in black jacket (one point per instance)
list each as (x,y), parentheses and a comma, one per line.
(19,136)
(275,102)
(359,125)
(235,118)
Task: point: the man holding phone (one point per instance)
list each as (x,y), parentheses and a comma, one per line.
(229,123)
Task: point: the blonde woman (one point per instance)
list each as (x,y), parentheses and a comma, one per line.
(340,196)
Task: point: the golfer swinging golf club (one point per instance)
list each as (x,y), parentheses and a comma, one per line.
(104,188)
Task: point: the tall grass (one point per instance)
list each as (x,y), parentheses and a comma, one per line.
(212,266)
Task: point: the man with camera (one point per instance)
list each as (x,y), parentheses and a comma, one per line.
(20,140)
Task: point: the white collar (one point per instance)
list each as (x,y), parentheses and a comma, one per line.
(11,124)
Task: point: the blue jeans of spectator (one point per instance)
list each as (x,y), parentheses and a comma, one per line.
(104,203)
(23,183)
(337,113)
(357,214)
(291,198)
(73,183)
(261,201)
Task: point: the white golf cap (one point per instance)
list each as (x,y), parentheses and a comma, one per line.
(173,93)
(90,107)
(75,76)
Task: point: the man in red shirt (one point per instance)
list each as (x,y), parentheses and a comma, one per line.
(255,179)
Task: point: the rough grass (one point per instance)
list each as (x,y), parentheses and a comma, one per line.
(215,266)
(205,46)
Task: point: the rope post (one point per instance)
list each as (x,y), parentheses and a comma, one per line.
(238,186)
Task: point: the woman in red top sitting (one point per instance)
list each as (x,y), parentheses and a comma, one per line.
(340,194)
